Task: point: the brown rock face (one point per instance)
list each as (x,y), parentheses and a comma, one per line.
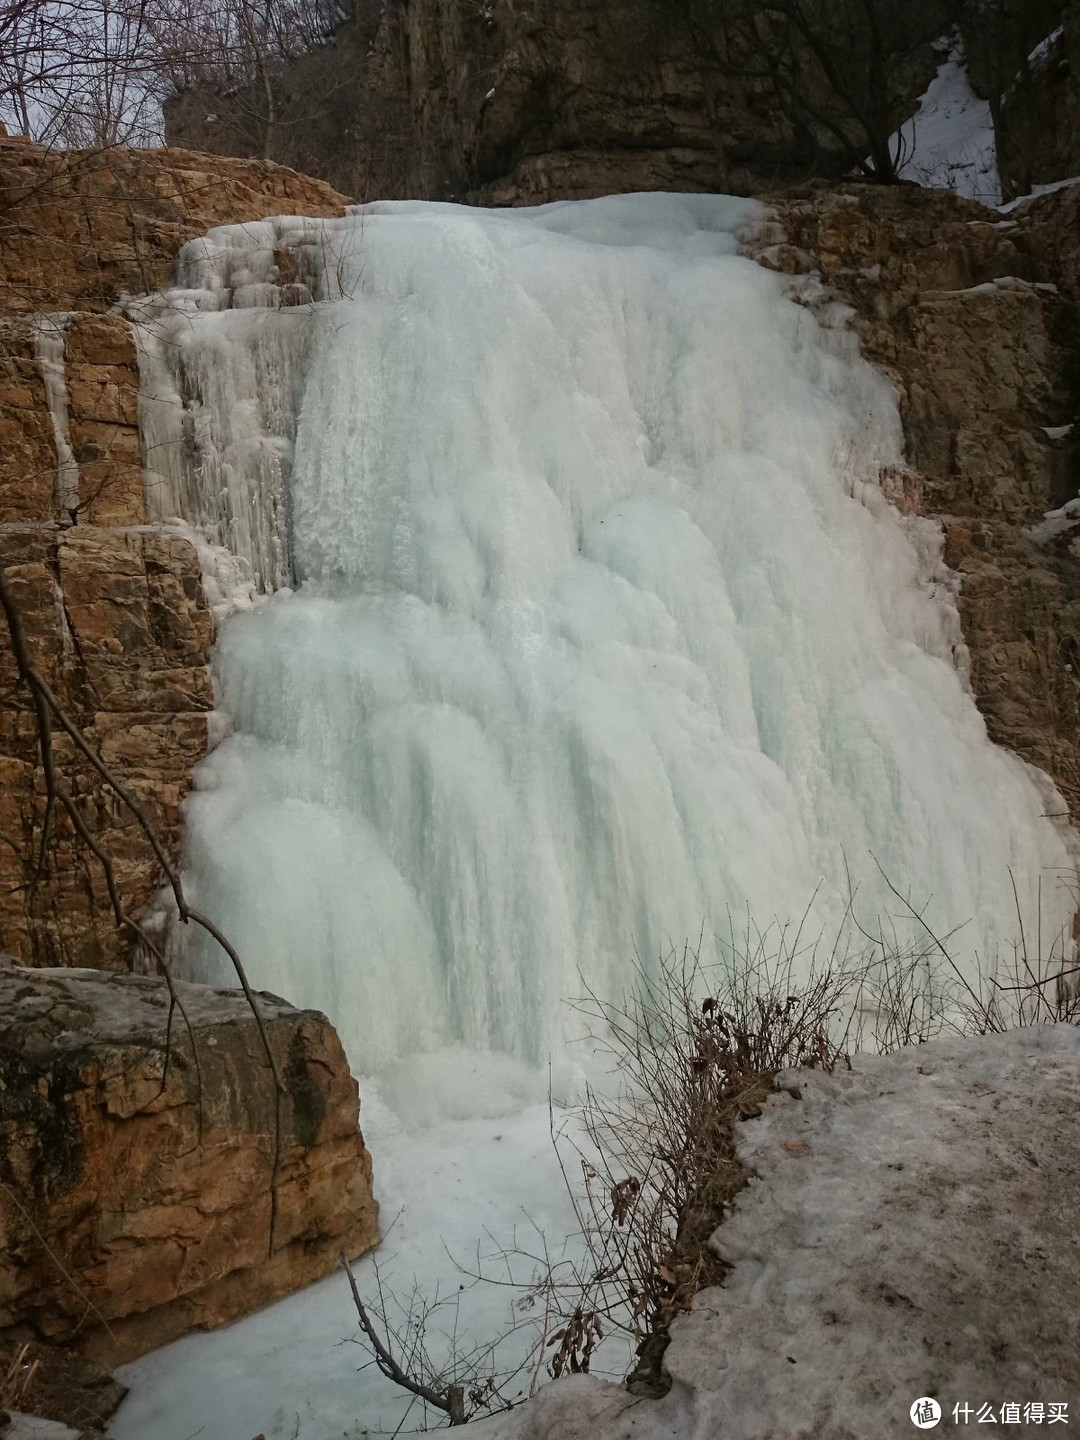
(966,315)
(114,611)
(78,373)
(117,622)
(146,1168)
(80,228)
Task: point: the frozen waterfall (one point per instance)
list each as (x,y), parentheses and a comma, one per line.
(592,625)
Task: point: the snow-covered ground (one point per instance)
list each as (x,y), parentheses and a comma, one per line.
(1050,188)
(913,1231)
(949,141)
(459,1176)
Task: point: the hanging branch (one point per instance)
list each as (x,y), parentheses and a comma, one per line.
(48,709)
(450,1399)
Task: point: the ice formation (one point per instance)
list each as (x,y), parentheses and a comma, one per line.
(596,628)
(49,339)
(599,631)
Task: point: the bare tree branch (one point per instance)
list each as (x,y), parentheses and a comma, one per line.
(450,1399)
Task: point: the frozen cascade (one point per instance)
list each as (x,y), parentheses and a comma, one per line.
(222,367)
(602,629)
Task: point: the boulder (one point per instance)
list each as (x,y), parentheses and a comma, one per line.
(146,1188)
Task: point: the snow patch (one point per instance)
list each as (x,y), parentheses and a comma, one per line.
(1050,188)
(949,141)
(1042,52)
(1055,522)
(910,1231)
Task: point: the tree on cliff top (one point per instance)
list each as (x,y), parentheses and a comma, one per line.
(78,72)
(840,73)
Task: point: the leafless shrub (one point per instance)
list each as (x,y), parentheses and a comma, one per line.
(649,1156)
(407,1336)
(18,1380)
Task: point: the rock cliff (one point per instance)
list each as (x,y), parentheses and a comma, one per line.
(500,103)
(975,320)
(1038,128)
(139,1194)
(115,612)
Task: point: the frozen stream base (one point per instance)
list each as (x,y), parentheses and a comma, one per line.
(292,1370)
(914,1231)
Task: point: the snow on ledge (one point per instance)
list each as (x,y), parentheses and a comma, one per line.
(913,1230)
(1050,188)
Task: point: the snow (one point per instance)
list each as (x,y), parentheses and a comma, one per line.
(1005,282)
(949,141)
(33,1427)
(1042,52)
(1050,188)
(596,625)
(910,1231)
(445,1188)
(1055,522)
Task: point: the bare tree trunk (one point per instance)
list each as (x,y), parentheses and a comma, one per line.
(271,109)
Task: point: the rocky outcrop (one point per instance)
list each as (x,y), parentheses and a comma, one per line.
(1038,130)
(141,1195)
(80,228)
(117,623)
(69,388)
(498,103)
(961,310)
(114,610)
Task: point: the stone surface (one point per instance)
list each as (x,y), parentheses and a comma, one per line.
(115,613)
(966,315)
(137,1200)
(80,228)
(118,624)
(27,449)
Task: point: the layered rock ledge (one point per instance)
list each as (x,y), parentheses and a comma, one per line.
(139,1194)
(114,611)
